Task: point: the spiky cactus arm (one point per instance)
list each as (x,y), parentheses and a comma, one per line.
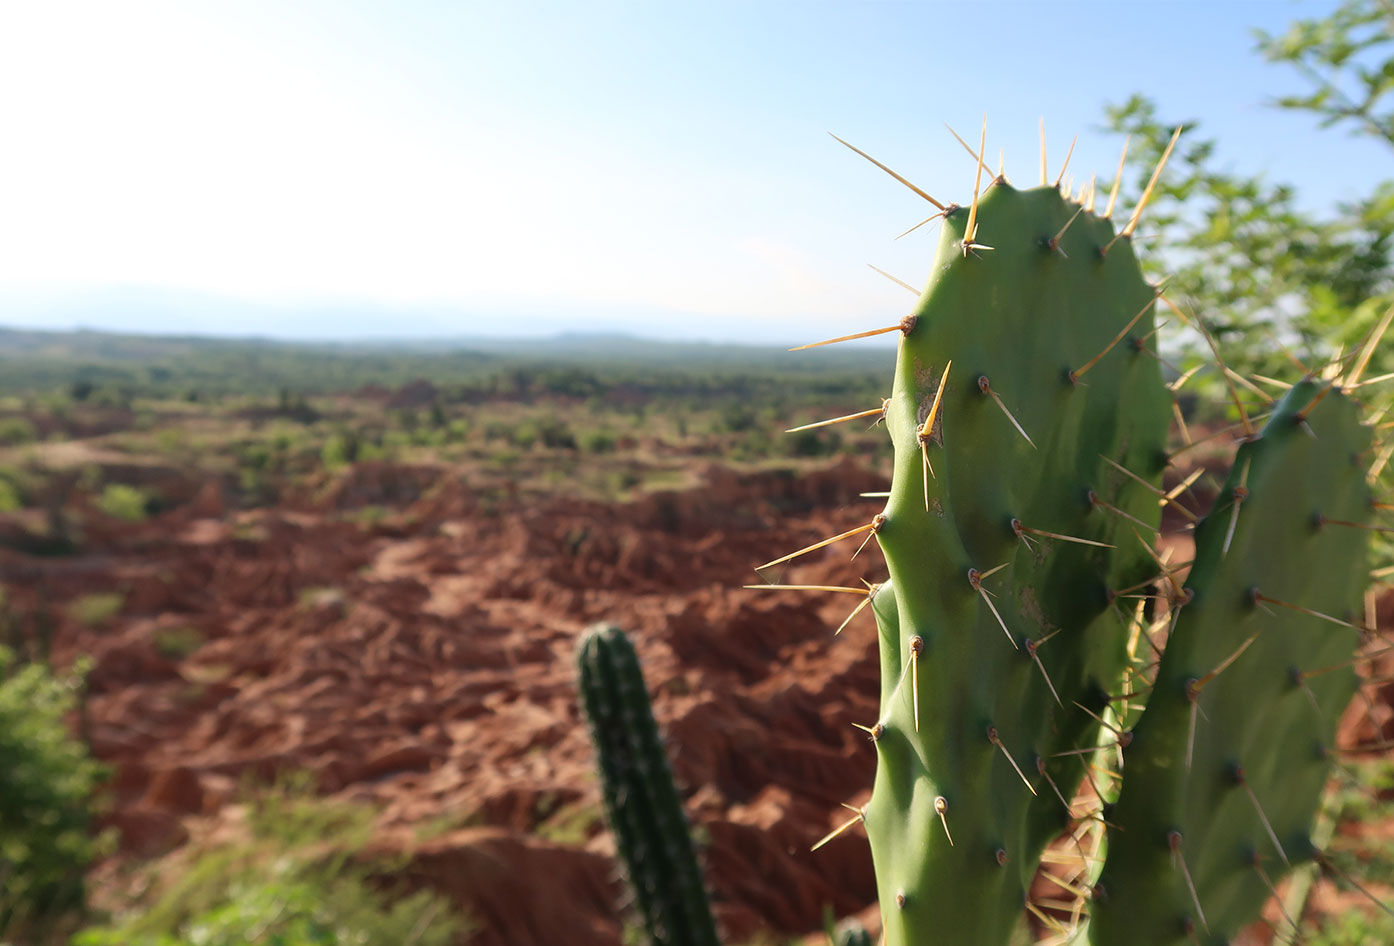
(983,666)
(641,801)
(1225,769)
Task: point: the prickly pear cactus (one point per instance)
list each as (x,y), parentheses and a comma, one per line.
(1224,771)
(1029,420)
(1003,550)
(641,802)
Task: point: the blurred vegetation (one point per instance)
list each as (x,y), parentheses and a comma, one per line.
(297,877)
(47,781)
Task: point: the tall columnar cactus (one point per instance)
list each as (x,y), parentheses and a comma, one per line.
(641,801)
(1029,419)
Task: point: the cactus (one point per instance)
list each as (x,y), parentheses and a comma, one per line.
(1029,419)
(641,801)
(1225,769)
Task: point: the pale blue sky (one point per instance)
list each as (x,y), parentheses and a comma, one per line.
(322,169)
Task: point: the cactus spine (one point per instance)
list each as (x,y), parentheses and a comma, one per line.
(641,801)
(1029,420)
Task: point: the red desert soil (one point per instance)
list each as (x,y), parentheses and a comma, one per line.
(424,664)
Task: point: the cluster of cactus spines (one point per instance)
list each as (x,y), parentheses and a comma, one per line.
(1029,419)
(1226,766)
(641,802)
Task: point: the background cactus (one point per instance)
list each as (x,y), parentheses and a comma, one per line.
(1029,418)
(641,801)
(1225,769)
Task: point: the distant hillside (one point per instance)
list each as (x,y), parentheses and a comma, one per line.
(33,360)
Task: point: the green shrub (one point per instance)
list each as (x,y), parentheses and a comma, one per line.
(10,499)
(96,608)
(124,502)
(46,784)
(15,431)
(294,882)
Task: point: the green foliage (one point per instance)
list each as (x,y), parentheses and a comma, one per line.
(295,881)
(96,608)
(124,502)
(16,430)
(47,780)
(1348,60)
(178,642)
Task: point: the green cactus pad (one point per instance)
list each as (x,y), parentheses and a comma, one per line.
(1235,691)
(1048,337)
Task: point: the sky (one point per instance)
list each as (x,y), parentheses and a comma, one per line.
(304,169)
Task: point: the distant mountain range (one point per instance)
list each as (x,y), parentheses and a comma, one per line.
(577,348)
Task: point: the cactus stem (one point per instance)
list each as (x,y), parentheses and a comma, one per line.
(902,180)
(904,326)
(1174,842)
(859,817)
(839,420)
(855,611)
(871,526)
(916,647)
(838,588)
(941,808)
(1031,649)
(1147,191)
(970,232)
(1243,783)
(996,740)
(1329,865)
(973,154)
(986,388)
(1260,596)
(1117,179)
(1041,769)
(975,579)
